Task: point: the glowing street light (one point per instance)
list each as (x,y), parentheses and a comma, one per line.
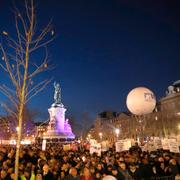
(17,128)
(100,135)
(89,136)
(117,131)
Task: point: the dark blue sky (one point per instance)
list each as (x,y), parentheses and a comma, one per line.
(104,48)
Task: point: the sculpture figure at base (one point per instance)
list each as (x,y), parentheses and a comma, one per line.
(67,126)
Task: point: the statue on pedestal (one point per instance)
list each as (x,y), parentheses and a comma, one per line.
(57,93)
(58,127)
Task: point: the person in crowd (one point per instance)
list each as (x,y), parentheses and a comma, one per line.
(86,175)
(117,174)
(134,171)
(145,169)
(5,175)
(47,174)
(173,168)
(124,171)
(73,174)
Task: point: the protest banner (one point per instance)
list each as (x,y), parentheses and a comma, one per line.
(66,147)
(173,145)
(44,144)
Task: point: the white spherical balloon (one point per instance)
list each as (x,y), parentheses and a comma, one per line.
(141,101)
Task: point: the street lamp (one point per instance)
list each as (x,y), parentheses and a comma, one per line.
(17,128)
(100,135)
(89,136)
(117,133)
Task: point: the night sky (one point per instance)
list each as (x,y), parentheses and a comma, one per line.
(105,48)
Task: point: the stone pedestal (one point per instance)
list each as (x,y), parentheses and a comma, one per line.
(58,127)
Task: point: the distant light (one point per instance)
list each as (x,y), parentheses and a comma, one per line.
(17,129)
(117,131)
(45,65)
(5,33)
(52,32)
(156,118)
(178,113)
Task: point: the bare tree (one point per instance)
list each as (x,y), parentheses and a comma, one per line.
(85,124)
(19,64)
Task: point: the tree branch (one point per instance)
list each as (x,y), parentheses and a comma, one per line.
(39,87)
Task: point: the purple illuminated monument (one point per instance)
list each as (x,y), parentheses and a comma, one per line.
(59,127)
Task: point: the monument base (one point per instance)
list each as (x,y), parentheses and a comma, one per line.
(59,136)
(58,139)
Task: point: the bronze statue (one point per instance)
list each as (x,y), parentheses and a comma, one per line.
(57,93)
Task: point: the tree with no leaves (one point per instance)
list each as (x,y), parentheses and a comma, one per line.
(17,62)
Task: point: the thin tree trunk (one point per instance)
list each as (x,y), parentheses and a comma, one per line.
(22,101)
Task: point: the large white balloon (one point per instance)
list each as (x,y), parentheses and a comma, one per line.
(141,101)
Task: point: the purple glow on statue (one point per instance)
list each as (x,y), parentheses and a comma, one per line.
(58,125)
(60,116)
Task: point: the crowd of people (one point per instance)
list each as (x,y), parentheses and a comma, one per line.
(57,164)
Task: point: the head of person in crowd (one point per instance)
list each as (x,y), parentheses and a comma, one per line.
(132,167)
(122,166)
(115,171)
(92,169)
(86,172)
(98,176)
(45,169)
(109,177)
(145,160)
(161,159)
(99,167)
(173,162)
(3,174)
(109,169)
(38,177)
(10,170)
(73,171)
